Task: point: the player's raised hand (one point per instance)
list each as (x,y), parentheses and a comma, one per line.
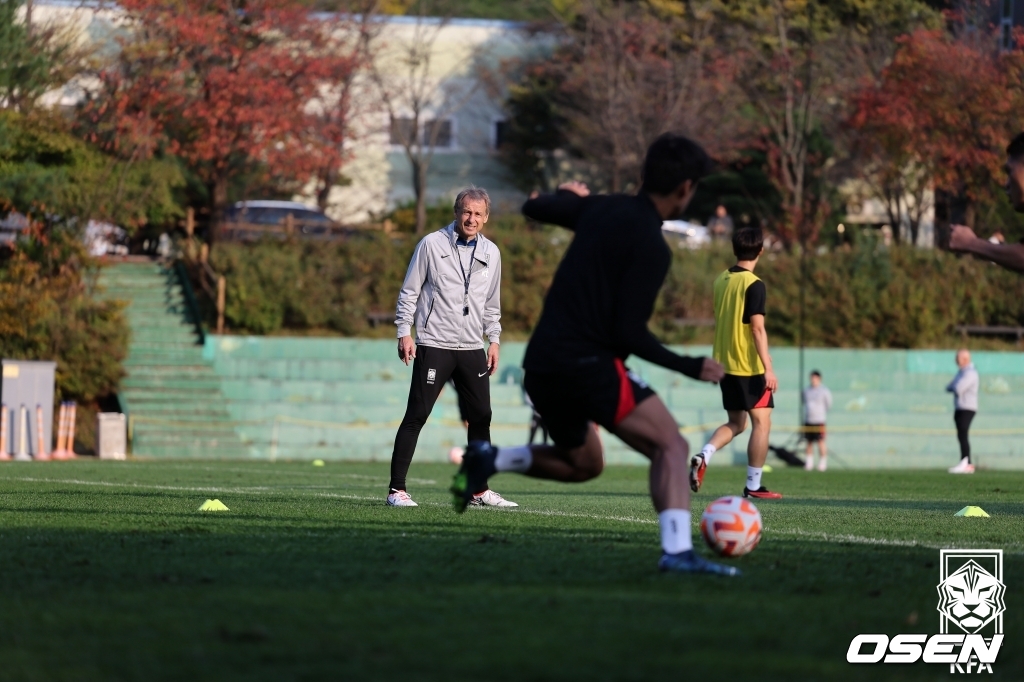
(576,187)
(711,371)
(960,237)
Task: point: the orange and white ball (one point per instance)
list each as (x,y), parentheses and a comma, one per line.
(731,526)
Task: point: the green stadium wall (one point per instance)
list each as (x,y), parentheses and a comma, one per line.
(342,399)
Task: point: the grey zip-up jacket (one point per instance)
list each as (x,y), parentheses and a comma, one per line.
(433,293)
(964,388)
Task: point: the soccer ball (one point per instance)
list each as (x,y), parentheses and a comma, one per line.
(731,526)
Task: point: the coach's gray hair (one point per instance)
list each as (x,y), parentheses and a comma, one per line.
(473,194)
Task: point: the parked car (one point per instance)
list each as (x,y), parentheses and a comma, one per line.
(693,236)
(255,219)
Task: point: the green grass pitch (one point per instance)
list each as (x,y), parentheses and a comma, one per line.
(109,572)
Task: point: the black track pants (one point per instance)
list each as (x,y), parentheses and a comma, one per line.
(431,369)
(963,424)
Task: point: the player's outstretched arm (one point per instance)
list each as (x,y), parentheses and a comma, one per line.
(639,290)
(1010,256)
(562,208)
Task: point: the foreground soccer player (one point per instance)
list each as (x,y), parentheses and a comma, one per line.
(595,316)
(741,345)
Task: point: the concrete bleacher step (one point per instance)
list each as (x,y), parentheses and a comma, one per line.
(171,395)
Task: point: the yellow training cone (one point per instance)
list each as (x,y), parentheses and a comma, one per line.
(213,505)
(318,462)
(971,511)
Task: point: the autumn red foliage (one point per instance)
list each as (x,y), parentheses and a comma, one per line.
(235,87)
(947,107)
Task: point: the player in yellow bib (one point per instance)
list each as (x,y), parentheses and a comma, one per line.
(741,346)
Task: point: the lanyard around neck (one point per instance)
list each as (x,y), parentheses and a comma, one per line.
(466,276)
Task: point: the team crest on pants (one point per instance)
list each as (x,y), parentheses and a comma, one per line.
(431,375)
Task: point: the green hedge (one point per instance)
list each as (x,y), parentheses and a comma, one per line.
(867,297)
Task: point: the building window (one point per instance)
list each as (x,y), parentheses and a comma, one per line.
(403,132)
(443,139)
(1006,25)
(501,129)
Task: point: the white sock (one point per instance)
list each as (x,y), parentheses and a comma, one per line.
(675,531)
(707,451)
(517,459)
(753,478)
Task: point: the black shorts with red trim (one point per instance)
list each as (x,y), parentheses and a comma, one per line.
(742,394)
(814,432)
(604,392)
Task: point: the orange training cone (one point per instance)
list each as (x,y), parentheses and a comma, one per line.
(4,418)
(41,451)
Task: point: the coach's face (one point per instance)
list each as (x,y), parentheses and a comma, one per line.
(471,217)
(1015,183)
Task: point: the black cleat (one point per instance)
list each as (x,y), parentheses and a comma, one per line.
(477,467)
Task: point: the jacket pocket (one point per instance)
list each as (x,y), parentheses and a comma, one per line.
(430,311)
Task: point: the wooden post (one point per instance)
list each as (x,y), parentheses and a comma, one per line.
(190,222)
(289,224)
(388,226)
(221,286)
(204,253)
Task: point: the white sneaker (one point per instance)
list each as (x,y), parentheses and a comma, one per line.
(489,498)
(964,467)
(822,464)
(809,464)
(400,498)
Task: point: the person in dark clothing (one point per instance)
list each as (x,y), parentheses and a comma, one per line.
(595,316)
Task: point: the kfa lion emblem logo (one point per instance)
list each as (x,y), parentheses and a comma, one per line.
(971,597)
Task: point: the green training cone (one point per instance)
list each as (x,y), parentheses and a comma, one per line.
(213,505)
(971,511)
(318,462)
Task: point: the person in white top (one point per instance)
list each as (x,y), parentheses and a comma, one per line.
(964,388)
(817,403)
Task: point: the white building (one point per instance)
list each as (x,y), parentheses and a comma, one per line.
(461,85)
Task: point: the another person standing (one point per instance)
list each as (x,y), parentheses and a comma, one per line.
(817,403)
(452,294)
(741,346)
(964,388)
(720,225)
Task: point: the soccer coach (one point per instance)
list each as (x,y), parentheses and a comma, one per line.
(452,294)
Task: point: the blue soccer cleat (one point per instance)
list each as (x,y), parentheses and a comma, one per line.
(691,562)
(477,467)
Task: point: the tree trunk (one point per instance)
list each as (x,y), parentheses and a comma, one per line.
(419,184)
(328,177)
(218,203)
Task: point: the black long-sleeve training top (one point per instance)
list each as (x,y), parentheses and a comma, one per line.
(605,288)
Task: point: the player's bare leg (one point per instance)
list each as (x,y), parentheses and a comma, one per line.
(722,436)
(822,454)
(649,429)
(757,453)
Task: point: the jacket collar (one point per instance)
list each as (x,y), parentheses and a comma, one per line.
(483,244)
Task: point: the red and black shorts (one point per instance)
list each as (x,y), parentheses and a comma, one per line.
(742,394)
(604,392)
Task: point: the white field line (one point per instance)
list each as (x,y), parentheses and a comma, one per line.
(329,474)
(831,538)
